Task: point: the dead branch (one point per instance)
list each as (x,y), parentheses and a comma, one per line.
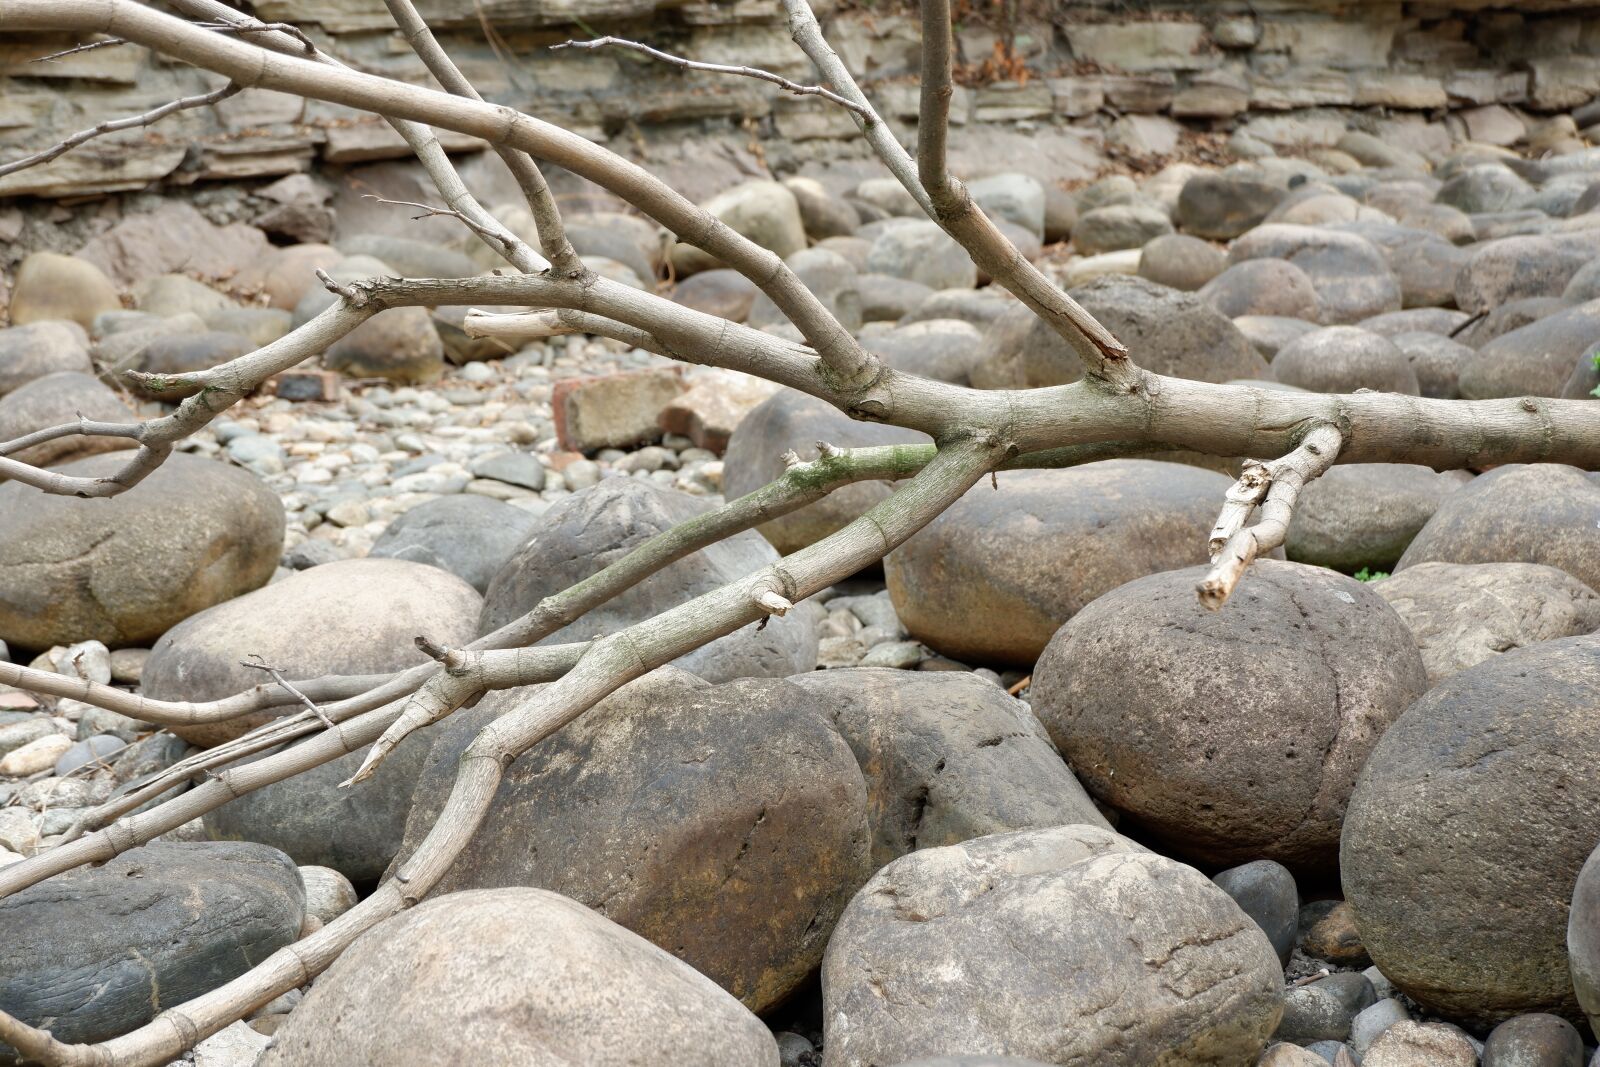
(1276,485)
(946,201)
(118,125)
(717,68)
(541,202)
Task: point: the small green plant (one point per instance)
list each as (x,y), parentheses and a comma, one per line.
(1596,357)
(1365,575)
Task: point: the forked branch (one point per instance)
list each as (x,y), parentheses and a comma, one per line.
(1274,487)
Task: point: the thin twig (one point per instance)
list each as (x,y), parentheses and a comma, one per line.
(494,237)
(719,68)
(279,676)
(251,26)
(118,125)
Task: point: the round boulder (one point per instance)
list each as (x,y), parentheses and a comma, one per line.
(468,535)
(948,756)
(944,349)
(727,824)
(1365,514)
(1141,692)
(1533,360)
(1120,226)
(1534,1040)
(1520,513)
(56,399)
(1481,796)
(124,570)
(1224,204)
(1269,333)
(1513,268)
(49,286)
(29,352)
(790,419)
(920,251)
(1350,275)
(1464,613)
(606,996)
(1065,945)
(1167,332)
(724,293)
(764,211)
(583,533)
(356,616)
(1179,261)
(1583,938)
(1273,287)
(1342,359)
(993,577)
(1436,360)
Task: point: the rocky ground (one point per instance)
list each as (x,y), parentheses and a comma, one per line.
(1017,795)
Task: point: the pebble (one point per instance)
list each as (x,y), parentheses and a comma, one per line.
(35,756)
(96,749)
(1372,1021)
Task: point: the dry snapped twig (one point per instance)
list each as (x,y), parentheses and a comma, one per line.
(1275,486)
(718,68)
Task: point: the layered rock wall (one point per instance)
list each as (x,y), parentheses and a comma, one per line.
(1203,63)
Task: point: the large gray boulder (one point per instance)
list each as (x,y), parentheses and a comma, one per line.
(355,616)
(1342,359)
(60,398)
(947,757)
(126,569)
(1365,514)
(1464,613)
(919,251)
(764,211)
(790,419)
(1264,287)
(1536,359)
(1224,204)
(943,349)
(468,535)
(1481,796)
(542,979)
(728,824)
(1351,277)
(997,573)
(1520,513)
(98,951)
(1167,332)
(585,532)
(1067,945)
(1140,691)
(1514,268)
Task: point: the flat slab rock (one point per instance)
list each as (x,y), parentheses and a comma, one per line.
(98,951)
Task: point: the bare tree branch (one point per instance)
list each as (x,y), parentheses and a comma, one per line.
(541,203)
(947,202)
(718,68)
(117,125)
